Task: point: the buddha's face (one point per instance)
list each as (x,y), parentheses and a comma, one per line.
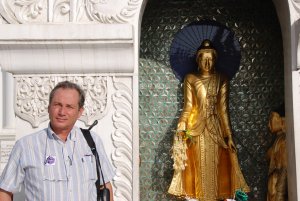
(206,62)
(276,122)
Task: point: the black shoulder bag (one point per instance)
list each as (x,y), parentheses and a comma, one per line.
(102,194)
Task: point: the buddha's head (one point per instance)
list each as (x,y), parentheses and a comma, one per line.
(277,121)
(206,57)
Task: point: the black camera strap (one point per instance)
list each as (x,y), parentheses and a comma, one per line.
(87,135)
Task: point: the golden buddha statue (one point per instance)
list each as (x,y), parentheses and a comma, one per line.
(277,182)
(206,164)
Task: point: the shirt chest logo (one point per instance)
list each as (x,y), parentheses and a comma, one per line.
(50,160)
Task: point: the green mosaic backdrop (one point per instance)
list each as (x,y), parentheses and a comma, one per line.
(255,90)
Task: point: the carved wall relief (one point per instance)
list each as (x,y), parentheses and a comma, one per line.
(32,94)
(59,11)
(123,140)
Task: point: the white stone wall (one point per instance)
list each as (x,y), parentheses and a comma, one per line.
(95,44)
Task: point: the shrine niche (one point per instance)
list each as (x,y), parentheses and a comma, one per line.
(256,88)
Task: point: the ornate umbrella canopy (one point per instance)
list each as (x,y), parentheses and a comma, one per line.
(187,40)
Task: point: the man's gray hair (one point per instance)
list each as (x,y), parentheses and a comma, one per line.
(69,85)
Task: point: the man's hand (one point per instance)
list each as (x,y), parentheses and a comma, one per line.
(109,186)
(5,195)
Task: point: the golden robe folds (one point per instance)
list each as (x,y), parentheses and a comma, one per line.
(212,171)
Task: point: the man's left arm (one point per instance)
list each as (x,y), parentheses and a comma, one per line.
(109,186)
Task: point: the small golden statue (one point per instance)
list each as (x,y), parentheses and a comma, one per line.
(277,182)
(205,160)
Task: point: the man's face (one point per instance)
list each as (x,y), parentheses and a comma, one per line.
(275,122)
(206,62)
(64,110)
